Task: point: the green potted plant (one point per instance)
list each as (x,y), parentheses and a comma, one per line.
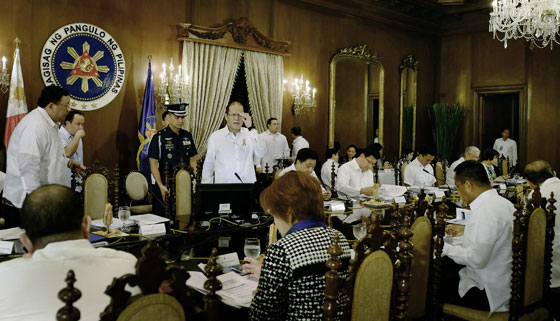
(445,119)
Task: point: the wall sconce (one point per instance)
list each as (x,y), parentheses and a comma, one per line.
(4,77)
(174,88)
(304,98)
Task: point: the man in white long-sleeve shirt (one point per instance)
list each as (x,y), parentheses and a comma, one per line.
(71,134)
(419,172)
(484,258)
(35,155)
(356,176)
(539,173)
(298,141)
(229,158)
(471,153)
(326,169)
(276,146)
(507,147)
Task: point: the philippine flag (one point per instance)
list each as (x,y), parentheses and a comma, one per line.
(17,106)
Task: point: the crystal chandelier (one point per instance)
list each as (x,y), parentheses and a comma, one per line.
(174,87)
(4,77)
(304,98)
(537,21)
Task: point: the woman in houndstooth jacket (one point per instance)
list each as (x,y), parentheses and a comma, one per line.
(292,277)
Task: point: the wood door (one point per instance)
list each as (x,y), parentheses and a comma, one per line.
(498,111)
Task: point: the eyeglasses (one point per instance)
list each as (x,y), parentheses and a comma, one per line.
(235,115)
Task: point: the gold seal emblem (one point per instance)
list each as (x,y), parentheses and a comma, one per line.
(170,156)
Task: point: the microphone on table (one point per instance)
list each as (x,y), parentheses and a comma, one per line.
(239,178)
(447,185)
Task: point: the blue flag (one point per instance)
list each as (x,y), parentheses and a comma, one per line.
(147,126)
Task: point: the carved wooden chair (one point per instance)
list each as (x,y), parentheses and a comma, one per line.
(183,192)
(403,166)
(99,189)
(151,272)
(420,267)
(377,283)
(533,232)
(136,187)
(439,173)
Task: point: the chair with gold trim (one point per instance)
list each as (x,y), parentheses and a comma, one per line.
(419,268)
(402,172)
(151,272)
(136,187)
(377,282)
(97,189)
(439,173)
(183,191)
(533,233)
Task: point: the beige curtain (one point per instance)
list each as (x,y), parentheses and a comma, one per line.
(212,70)
(264,83)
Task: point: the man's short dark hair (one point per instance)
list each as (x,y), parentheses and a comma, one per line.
(269,121)
(233,103)
(296,130)
(50,210)
(473,172)
(336,145)
(488,154)
(538,171)
(51,94)
(426,150)
(70,116)
(371,150)
(164,114)
(377,146)
(305,154)
(331,152)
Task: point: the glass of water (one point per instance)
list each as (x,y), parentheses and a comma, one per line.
(124,215)
(252,247)
(359,230)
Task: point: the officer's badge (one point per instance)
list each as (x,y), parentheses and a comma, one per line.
(85,60)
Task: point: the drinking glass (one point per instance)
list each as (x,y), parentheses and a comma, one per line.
(252,247)
(107,219)
(124,215)
(359,230)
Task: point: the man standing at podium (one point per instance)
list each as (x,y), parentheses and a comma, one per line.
(507,147)
(229,158)
(169,146)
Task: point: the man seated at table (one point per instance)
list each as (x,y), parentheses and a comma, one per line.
(356,176)
(477,272)
(327,168)
(57,239)
(420,172)
(539,173)
(306,160)
(471,153)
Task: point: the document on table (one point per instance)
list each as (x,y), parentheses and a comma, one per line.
(237,291)
(115,223)
(11,233)
(148,219)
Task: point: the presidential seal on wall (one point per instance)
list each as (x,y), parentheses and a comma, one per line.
(85,60)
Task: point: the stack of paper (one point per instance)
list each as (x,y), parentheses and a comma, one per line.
(148,219)
(237,291)
(115,224)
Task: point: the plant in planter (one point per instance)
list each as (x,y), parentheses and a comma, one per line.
(445,121)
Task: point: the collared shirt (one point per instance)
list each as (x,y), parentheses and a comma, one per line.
(35,157)
(229,154)
(169,148)
(507,148)
(414,174)
(326,171)
(66,139)
(30,285)
(490,172)
(276,147)
(351,179)
(292,168)
(451,171)
(298,144)
(486,249)
(552,185)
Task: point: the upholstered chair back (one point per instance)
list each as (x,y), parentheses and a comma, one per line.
(420,267)
(95,195)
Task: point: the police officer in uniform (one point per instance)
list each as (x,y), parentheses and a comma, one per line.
(169,146)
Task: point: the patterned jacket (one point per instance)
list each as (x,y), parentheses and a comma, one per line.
(292,281)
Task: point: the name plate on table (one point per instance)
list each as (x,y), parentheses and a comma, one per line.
(400,200)
(224,209)
(152,230)
(6,247)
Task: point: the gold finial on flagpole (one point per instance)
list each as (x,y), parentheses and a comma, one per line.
(149,58)
(17,42)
